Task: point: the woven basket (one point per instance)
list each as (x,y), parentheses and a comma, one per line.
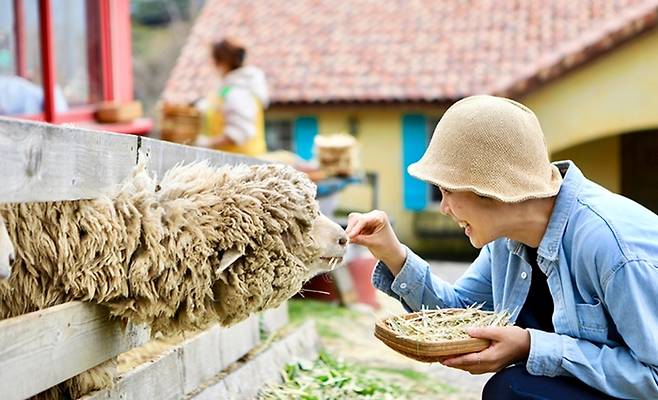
(426,351)
(179,123)
(337,154)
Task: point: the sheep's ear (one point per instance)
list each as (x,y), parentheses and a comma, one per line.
(228,258)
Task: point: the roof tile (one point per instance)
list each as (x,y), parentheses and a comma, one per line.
(319,51)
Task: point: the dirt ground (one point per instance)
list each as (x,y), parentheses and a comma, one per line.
(348,334)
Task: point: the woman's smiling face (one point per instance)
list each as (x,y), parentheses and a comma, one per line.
(475,214)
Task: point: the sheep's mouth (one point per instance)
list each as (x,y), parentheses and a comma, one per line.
(333,262)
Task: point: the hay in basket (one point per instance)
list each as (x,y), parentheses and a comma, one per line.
(429,335)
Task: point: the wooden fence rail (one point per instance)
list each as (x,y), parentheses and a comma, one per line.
(186,368)
(41,349)
(41,162)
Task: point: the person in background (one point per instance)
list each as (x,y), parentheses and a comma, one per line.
(234,113)
(19,96)
(575,265)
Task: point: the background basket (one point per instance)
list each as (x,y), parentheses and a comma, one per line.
(179,123)
(426,351)
(337,154)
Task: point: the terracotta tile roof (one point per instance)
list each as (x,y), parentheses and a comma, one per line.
(334,51)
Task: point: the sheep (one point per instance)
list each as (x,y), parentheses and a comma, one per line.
(6,251)
(203,245)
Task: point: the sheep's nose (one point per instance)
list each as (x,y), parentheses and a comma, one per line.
(342,240)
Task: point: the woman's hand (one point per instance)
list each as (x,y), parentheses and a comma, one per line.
(374,231)
(509,344)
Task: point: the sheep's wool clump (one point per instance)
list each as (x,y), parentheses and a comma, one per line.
(152,252)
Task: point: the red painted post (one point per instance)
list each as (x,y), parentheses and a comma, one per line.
(47,59)
(122,50)
(94,58)
(19,38)
(116,50)
(107,60)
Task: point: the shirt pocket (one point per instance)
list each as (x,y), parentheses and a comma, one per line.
(592,322)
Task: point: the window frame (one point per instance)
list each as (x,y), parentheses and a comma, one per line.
(290,125)
(110,16)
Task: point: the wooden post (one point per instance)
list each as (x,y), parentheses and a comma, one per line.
(19,38)
(48,67)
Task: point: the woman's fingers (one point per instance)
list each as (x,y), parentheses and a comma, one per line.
(464,360)
(362,224)
(474,363)
(354,224)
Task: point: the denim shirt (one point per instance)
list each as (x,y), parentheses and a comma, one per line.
(600,256)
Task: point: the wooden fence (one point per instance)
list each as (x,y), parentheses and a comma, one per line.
(40,162)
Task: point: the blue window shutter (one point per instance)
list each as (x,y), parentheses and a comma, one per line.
(306,128)
(414,141)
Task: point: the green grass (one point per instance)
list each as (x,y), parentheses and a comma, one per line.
(417,377)
(300,310)
(408,373)
(324,313)
(330,379)
(332,322)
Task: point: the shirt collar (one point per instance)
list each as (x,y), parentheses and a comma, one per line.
(566,198)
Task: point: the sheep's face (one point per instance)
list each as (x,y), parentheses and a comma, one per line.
(332,242)
(6,252)
(284,221)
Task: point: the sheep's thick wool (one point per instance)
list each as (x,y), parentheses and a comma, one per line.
(152,251)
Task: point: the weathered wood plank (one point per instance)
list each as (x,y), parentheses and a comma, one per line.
(184,367)
(55,344)
(216,349)
(164,155)
(202,357)
(237,340)
(174,374)
(248,379)
(161,378)
(43,162)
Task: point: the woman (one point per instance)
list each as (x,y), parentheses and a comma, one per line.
(576,265)
(233,114)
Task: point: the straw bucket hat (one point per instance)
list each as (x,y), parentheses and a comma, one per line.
(492,146)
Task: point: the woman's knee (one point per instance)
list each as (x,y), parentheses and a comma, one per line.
(500,386)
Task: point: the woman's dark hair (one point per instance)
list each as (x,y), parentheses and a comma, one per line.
(229,52)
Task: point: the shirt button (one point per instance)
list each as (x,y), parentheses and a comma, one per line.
(403,285)
(524,275)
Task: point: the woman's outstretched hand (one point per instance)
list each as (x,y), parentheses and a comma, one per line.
(374,231)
